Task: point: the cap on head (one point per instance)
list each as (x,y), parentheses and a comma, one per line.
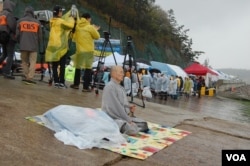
(57,9)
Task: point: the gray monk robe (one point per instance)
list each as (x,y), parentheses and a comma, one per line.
(115,104)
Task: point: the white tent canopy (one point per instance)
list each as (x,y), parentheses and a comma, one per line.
(110,60)
(179,71)
(216,77)
(223,75)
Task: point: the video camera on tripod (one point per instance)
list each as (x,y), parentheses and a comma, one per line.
(129,39)
(134,77)
(106,35)
(43,15)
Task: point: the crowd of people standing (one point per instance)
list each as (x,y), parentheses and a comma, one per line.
(27,33)
(164,86)
(118,84)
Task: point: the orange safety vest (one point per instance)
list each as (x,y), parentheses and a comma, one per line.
(28,26)
(3,20)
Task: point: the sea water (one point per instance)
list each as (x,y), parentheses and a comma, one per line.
(245,109)
(216,106)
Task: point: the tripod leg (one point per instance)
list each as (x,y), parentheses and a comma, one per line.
(42,66)
(50,74)
(112,51)
(98,75)
(100,61)
(133,59)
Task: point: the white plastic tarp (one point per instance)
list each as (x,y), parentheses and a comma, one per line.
(82,127)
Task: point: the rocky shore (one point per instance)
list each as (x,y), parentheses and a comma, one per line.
(240,93)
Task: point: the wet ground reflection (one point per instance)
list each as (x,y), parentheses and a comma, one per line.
(218,107)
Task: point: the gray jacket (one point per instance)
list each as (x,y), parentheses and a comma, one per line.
(7,19)
(114,101)
(28,31)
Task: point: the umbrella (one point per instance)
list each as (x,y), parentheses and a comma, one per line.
(141,60)
(163,67)
(154,70)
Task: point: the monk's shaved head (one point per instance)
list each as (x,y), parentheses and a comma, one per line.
(117,73)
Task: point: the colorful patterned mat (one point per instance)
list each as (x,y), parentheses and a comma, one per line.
(143,145)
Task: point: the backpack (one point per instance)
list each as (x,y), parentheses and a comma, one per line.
(4,37)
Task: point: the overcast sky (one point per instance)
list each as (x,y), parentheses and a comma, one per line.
(220,28)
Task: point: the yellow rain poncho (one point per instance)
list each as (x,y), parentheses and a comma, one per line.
(58,37)
(84,37)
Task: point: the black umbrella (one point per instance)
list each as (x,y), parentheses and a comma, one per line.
(154,70)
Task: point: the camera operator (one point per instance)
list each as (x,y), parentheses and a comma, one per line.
(7,36)
(60,27)
(84,37)
(29,35)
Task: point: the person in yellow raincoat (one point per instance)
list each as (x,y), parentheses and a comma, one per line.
(60,28)
(84,37)
(187,87)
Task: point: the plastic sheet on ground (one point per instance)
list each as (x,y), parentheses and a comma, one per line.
(140,146)
(82,127)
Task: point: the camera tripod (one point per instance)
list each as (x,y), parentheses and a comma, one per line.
(132,63)
(42,58)
(101,61)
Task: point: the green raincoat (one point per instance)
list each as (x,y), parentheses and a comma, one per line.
(84,37)
(58,37)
